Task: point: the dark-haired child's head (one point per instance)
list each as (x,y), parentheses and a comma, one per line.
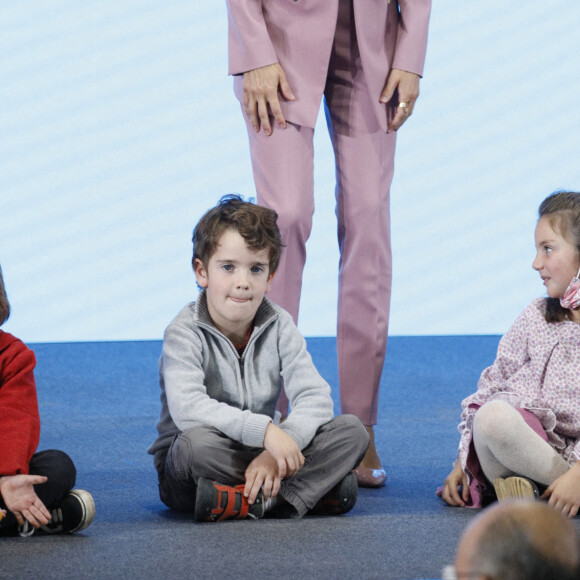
(558,251)
(4,304)
(256,224)
(562,210)
(236,250)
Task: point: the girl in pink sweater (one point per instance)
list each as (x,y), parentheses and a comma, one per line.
(520,431)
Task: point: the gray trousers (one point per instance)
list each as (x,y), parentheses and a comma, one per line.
(204,451)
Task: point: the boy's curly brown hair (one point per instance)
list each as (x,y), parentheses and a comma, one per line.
(256,224)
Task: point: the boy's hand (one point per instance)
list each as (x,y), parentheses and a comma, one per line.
(451,493)
(262,473)
(284,450)
(21,499)
(564,493)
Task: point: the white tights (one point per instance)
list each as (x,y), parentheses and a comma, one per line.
(506,445)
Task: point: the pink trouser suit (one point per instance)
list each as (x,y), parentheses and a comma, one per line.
(364,152)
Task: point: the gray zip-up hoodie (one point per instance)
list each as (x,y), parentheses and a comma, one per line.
(205,381)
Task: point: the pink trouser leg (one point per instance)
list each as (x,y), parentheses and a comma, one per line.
(365,270)
(364,156)
(283,166)
(283,173)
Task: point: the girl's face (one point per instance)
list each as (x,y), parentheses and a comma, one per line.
(557,260)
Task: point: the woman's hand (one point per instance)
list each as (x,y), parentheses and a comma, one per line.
(262,87)
(407,86)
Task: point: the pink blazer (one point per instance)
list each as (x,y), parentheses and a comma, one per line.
(299,34)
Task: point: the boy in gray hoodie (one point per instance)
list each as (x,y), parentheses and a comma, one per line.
(219,452)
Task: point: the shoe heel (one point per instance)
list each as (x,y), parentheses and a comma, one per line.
(87,504)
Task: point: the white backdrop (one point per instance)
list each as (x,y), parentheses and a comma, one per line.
(119,128)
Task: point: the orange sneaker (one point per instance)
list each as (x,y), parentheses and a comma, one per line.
(215,502)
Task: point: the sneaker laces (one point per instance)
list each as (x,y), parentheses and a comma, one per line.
(26,529)
(54,526)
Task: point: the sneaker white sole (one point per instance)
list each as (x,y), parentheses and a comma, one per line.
(88,504)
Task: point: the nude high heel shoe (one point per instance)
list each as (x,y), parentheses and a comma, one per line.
(370,472)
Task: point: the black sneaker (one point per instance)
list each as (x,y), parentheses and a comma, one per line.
(215,502)
(73,514)
(340,499)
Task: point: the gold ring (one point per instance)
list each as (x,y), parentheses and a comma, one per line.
(404,105)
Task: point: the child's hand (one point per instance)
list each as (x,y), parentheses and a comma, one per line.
(564,493)
(262,473)
(451,493)
(21,499)
(284,450)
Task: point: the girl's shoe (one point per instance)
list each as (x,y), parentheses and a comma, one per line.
(515,487)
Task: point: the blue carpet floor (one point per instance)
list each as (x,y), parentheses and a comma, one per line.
(100,402)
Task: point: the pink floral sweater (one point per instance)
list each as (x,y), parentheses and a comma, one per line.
(537,368)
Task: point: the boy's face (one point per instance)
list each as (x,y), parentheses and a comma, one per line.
(236,280)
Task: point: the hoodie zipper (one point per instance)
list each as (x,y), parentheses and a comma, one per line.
(241,359)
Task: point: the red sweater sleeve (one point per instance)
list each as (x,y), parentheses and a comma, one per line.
(19,418)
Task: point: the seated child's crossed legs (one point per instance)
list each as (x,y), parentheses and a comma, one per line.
(204,451)
(506,445)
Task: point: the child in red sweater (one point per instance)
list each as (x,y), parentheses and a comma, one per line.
(35,488)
